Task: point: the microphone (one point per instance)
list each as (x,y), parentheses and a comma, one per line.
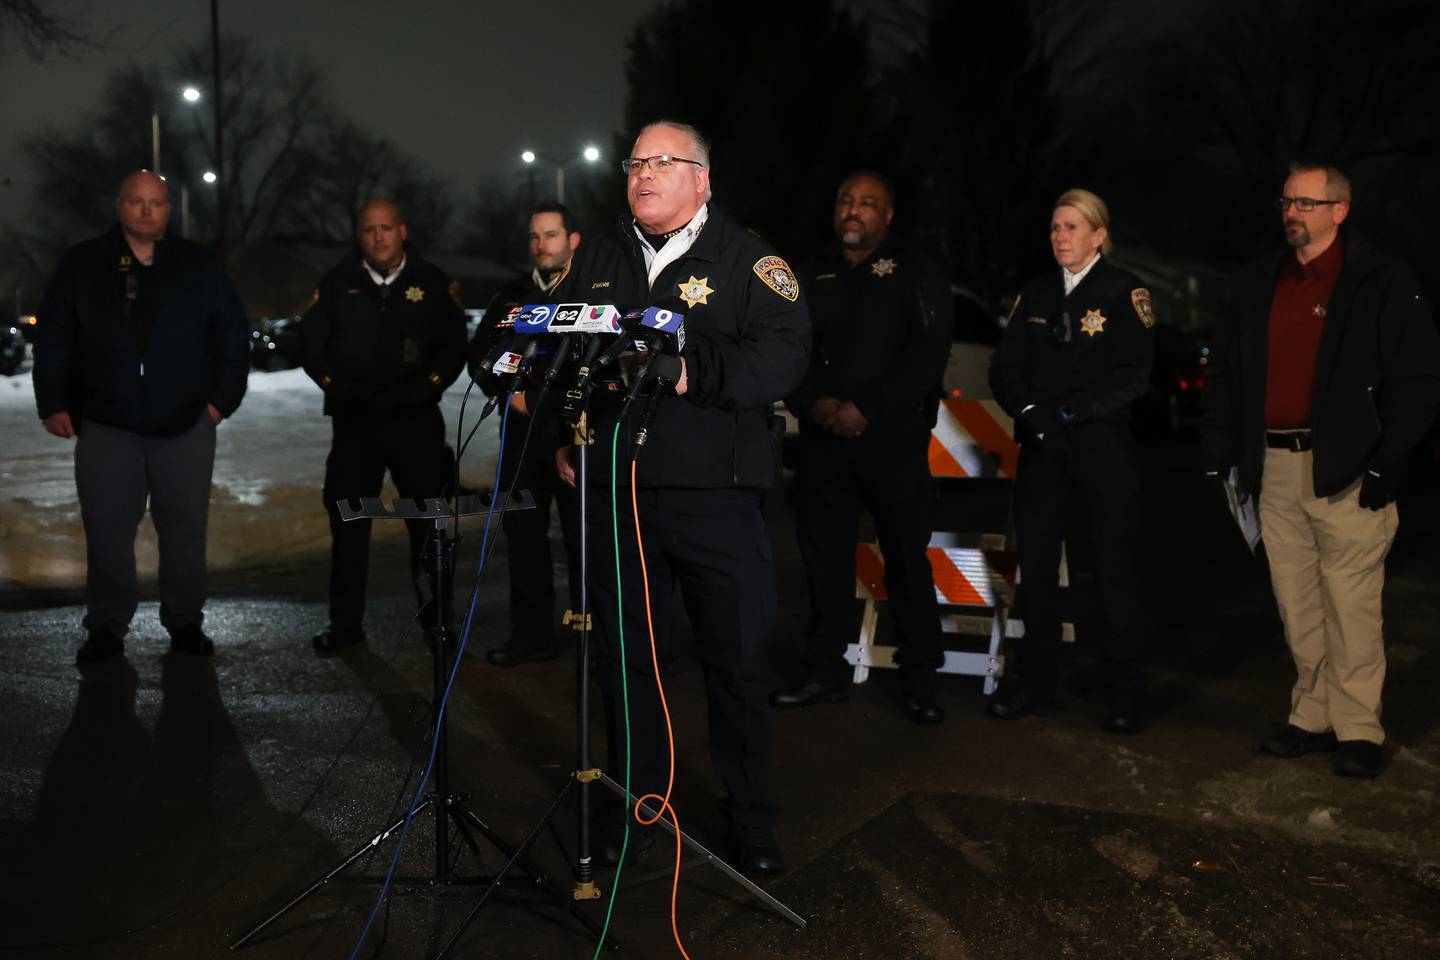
(562,353)
(664,370)
(645,331)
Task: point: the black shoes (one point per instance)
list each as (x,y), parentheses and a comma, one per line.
(810,692)
(1290,742)
(99,645)
(924,710)
(1358,758)
(330,641)
(756,852)
(510,657)
(191,640)
(1011,702)
(1353,758)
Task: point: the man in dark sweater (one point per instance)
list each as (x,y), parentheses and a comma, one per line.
(1323,382)
(383,340)
(553,239)
(142,349)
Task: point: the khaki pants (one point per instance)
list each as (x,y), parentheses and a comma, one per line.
(1327,566)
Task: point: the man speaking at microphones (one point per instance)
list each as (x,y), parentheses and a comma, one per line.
(553,239)
(700,477)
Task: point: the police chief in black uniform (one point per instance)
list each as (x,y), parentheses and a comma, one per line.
(883,322)
(701,477)
(383,340)
(553,239)
(1075,357)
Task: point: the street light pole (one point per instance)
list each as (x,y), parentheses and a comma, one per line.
(590,154)
(220,190)
(155,142)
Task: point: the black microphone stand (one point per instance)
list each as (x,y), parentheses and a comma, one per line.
(438,556)
(576,412)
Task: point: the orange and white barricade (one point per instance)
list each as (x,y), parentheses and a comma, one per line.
(972,439)
(971,573)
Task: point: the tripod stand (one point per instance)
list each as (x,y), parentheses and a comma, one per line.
(585,775)
(448,808)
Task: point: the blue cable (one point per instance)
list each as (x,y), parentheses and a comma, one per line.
(445,697)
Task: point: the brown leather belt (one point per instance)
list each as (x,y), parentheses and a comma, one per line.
(1295,441)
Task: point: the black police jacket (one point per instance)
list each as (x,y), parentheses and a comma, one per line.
(516,292)
(882,331)
(383,351)
(89,360)
(1090,351)
(747,335)
(1377,373)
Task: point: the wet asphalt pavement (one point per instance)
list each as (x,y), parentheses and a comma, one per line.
(159,805)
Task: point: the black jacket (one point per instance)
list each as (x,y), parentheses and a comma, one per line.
(747,340)
(1377,375)
(1090,351)
(882,331)
(390,351)
(89,358)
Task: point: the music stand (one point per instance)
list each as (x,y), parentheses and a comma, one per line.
(439,557)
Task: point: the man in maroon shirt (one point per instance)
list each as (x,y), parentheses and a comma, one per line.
(1323,382)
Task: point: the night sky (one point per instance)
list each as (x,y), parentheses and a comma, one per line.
(464,85)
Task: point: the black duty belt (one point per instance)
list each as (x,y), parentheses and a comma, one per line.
(1295,441)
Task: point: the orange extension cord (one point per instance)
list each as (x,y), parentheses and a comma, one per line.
(669,730)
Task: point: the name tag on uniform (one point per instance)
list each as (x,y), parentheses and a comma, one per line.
(1037,319)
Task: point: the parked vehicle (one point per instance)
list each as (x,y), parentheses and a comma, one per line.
(275,343)
(12,350)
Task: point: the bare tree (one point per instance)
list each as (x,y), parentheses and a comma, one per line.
(29,26)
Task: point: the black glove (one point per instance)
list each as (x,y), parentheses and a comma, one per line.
(1041,421)
(1375,491)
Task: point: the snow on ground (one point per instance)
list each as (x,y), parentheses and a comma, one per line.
(265,501)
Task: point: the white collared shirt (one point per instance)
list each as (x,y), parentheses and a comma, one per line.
(384,279)
(1072,280)
(675,247)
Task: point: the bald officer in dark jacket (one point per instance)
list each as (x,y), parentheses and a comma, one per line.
(883,323)
(700,478)
(383,340)
(141,351)
(1075,357)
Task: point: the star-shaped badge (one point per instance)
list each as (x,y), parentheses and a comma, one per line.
(883,267)
(414,294)
(1092,323)
(694,291)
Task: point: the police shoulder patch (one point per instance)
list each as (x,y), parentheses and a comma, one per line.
(1144,308)
(778,277)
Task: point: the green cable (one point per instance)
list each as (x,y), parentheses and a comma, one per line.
(624,685)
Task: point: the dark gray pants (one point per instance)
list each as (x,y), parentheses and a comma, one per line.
(115,473)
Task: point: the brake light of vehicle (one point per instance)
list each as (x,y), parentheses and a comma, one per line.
(1184,384)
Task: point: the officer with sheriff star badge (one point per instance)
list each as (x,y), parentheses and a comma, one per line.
(699,481)
(883,320)
(383,340)
(1075,357)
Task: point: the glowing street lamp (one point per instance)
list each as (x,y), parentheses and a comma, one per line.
(590,154)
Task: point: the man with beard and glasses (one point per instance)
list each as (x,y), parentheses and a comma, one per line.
(533,638)
(383,340)
(1322,382)
(882,323)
